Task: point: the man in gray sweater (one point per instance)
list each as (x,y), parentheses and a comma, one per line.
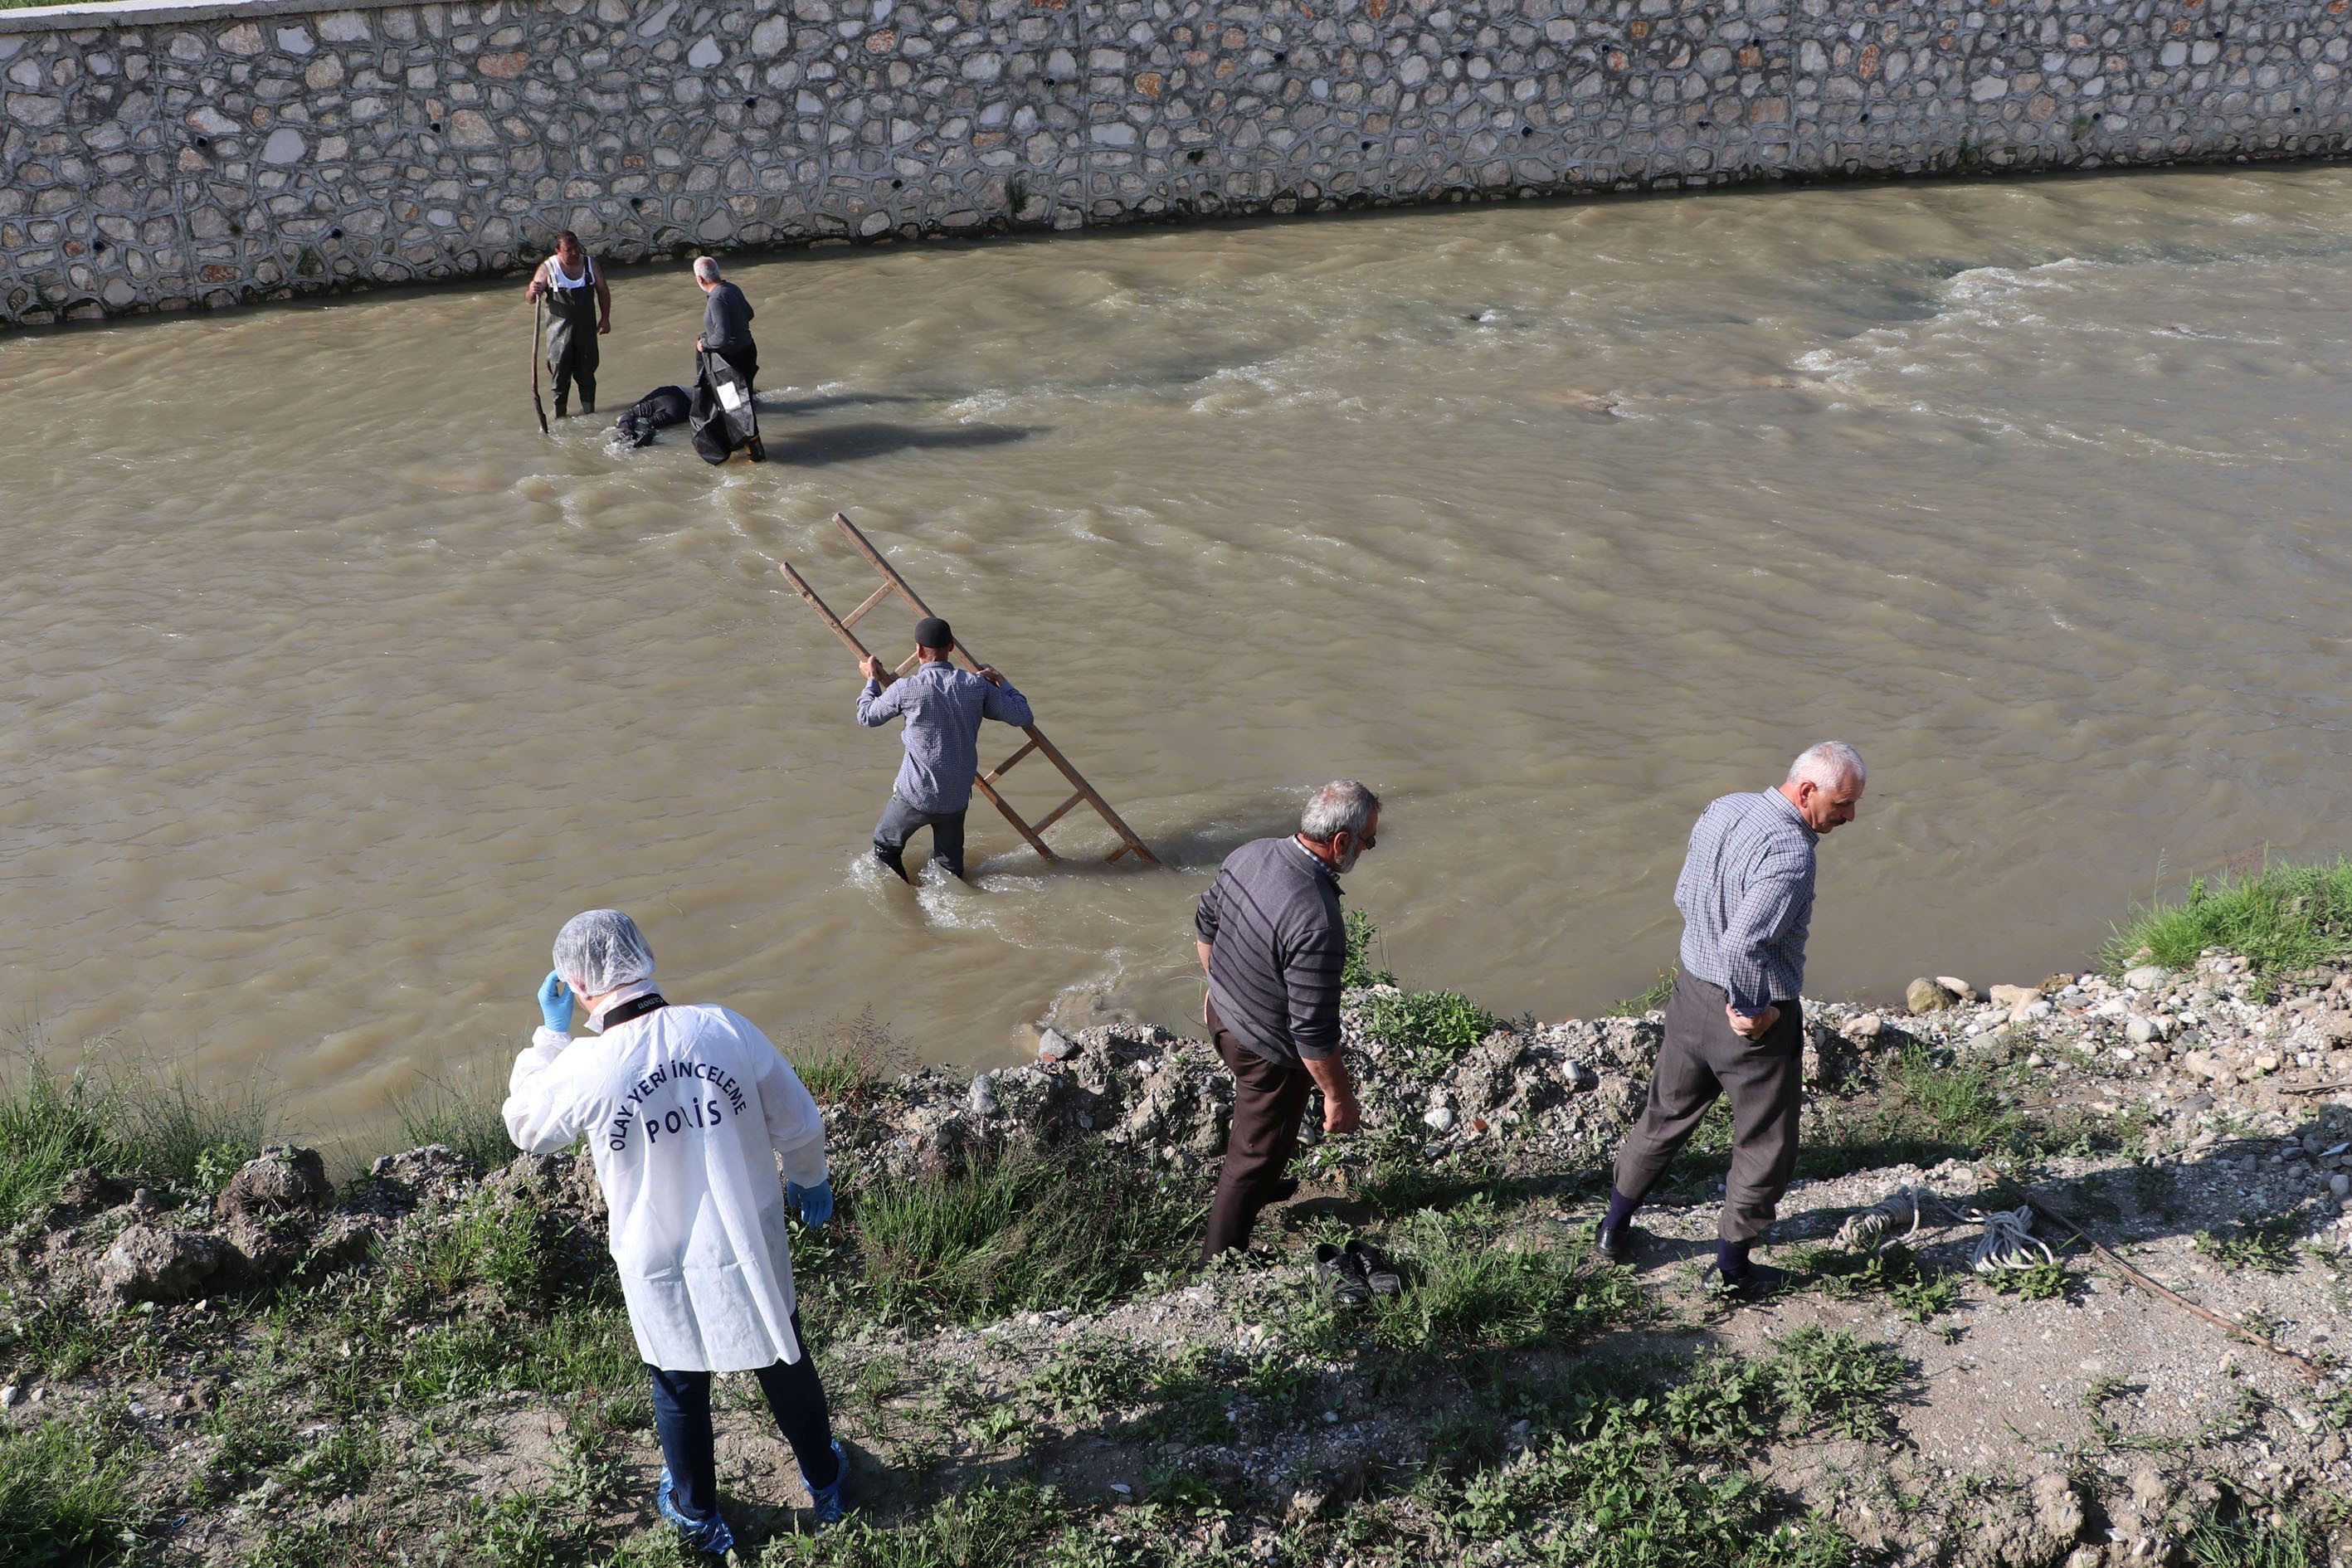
(943,707)
(1272,941)
(1734,1025)
(726,321)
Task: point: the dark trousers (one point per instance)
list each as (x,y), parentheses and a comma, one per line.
(901,822)
(1702,1056)
(571,356)
(682,1417)
(1268,1103)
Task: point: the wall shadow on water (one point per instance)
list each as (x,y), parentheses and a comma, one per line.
(874,438)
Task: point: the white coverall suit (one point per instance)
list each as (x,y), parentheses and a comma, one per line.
(686,1109)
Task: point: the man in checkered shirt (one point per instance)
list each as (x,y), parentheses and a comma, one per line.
(1734,1025)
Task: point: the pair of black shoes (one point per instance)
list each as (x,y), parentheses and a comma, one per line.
(1354,1274)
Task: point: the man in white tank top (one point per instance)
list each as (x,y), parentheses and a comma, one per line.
(580,310)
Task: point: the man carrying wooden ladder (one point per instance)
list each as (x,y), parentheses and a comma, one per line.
(943,707)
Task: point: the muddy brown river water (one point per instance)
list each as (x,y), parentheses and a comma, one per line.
(336,688)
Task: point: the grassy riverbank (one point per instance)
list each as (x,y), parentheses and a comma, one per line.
(1030,1368)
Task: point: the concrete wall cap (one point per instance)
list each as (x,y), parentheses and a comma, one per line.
(151,13)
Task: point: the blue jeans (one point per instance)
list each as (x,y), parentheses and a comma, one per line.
(682,1417)
(901,822)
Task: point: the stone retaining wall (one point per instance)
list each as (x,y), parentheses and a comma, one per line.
(159,156)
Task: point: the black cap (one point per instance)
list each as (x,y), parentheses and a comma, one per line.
(932,632)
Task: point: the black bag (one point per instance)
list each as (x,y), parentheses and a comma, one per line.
(722,415)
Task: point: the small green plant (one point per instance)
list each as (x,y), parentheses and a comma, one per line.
(1432,1028)
(67,1494)
(846,1056)
(1095,1378)
(1827,1378)
(1647,1000)
(1722,1404)
(50,1128)
(460,1112)
(2249,1541)
(1359,970)
(2264,1246)
(2047,1280)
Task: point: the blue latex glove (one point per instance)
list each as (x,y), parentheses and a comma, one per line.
(815,1203)
(555,1003)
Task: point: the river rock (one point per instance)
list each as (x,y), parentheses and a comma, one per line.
(1958,987)
(1926,995)
(2011,997)
(2147,977)
(1053,1046)
(2140,1030)
(1439,1118)
(150,1263)
(281,1181)
(982,1097)
(1864,1026)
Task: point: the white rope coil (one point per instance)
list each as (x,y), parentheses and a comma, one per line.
(2008,1240)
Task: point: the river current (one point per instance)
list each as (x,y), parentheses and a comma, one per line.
(337,687)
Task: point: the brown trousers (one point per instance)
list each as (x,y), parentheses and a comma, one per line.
(1703,1057)
(1269,1101)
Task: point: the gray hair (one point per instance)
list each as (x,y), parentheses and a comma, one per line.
(706,269)
(1343,805)
(1825,765)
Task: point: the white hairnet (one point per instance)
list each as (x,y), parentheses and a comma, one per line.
(602,950)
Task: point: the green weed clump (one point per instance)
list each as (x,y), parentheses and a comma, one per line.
(1017,1231)
(50,1128)
(985,1527)
(174,1130)
(67,1495)
(846,1056)
(2247,1542)
(1475,1287)
(2264,1246)
(1617,1494)
(2283,917)
(462,1112)
(1431,1027)
(1359,969)
(1650,999)
(130,1127)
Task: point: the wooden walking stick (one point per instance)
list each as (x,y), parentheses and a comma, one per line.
(537,314)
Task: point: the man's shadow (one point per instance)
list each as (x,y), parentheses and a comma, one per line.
(873,438)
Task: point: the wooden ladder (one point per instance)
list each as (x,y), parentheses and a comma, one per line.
(1082,793)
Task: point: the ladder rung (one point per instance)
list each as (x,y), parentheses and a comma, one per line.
(1060,811)
(876,598)
(1006,765)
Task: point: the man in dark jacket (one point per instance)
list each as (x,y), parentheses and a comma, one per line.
(726,321)
(1271,939)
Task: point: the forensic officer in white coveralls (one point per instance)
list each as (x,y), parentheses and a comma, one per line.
(686,1110)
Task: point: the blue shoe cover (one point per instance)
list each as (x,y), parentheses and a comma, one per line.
(830,1503)
(710,1535)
